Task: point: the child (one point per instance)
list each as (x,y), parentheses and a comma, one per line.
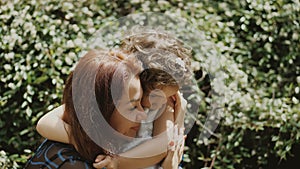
(165,61)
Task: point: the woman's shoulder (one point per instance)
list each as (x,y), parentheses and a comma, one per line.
(56,155)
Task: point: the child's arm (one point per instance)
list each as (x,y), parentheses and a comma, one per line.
(159,125)
(159,141)
(52,126)
(149,153)
(175,111)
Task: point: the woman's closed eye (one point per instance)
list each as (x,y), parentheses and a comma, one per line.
(133,108)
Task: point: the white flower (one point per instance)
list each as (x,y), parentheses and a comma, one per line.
(298,79)
(67,6)
(70,44)
(91,30)
(295,100)
(87,11)
(9,55)
(45,17)
(52,30)
(38,46)
(297,90)
(28,16)
(12,85)
(135,1)
(7,67)
(75,28)
(78,42)
(68,60)
(52,27)
(35,64)
(58,62)
(283,117)
(57,22)
(56,40)
(69,16)
(52,33)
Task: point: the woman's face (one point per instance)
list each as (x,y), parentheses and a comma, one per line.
(129,112)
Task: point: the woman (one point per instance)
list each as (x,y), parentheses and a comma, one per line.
(100,66)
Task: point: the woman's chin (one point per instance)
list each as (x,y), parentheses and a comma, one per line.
(131,134)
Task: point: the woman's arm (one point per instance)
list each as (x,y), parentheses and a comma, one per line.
(51,125)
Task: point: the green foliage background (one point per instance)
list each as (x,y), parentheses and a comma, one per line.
(257,43)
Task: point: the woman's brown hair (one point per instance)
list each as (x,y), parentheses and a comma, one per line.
(90,85)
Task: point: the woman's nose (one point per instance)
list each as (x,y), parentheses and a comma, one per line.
(141,115)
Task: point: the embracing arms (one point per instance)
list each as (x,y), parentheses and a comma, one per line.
(53,127)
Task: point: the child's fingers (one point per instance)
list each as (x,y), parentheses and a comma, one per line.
(181,149)
(180,144)
(99,158)
(168,161)
(171,145)
(104,163)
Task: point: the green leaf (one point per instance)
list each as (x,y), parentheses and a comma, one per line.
(41,79)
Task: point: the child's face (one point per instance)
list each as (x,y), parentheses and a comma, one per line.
(156,98)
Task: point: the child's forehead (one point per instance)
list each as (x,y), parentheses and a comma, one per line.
(154,88)
(161,91)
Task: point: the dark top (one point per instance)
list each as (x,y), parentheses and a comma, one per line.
(56,155)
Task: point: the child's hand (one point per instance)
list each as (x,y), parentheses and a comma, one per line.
(176,140)
(105,161)
(173,158)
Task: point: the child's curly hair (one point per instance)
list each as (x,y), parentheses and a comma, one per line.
(165,59)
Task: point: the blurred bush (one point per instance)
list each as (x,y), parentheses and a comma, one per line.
(255,83)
